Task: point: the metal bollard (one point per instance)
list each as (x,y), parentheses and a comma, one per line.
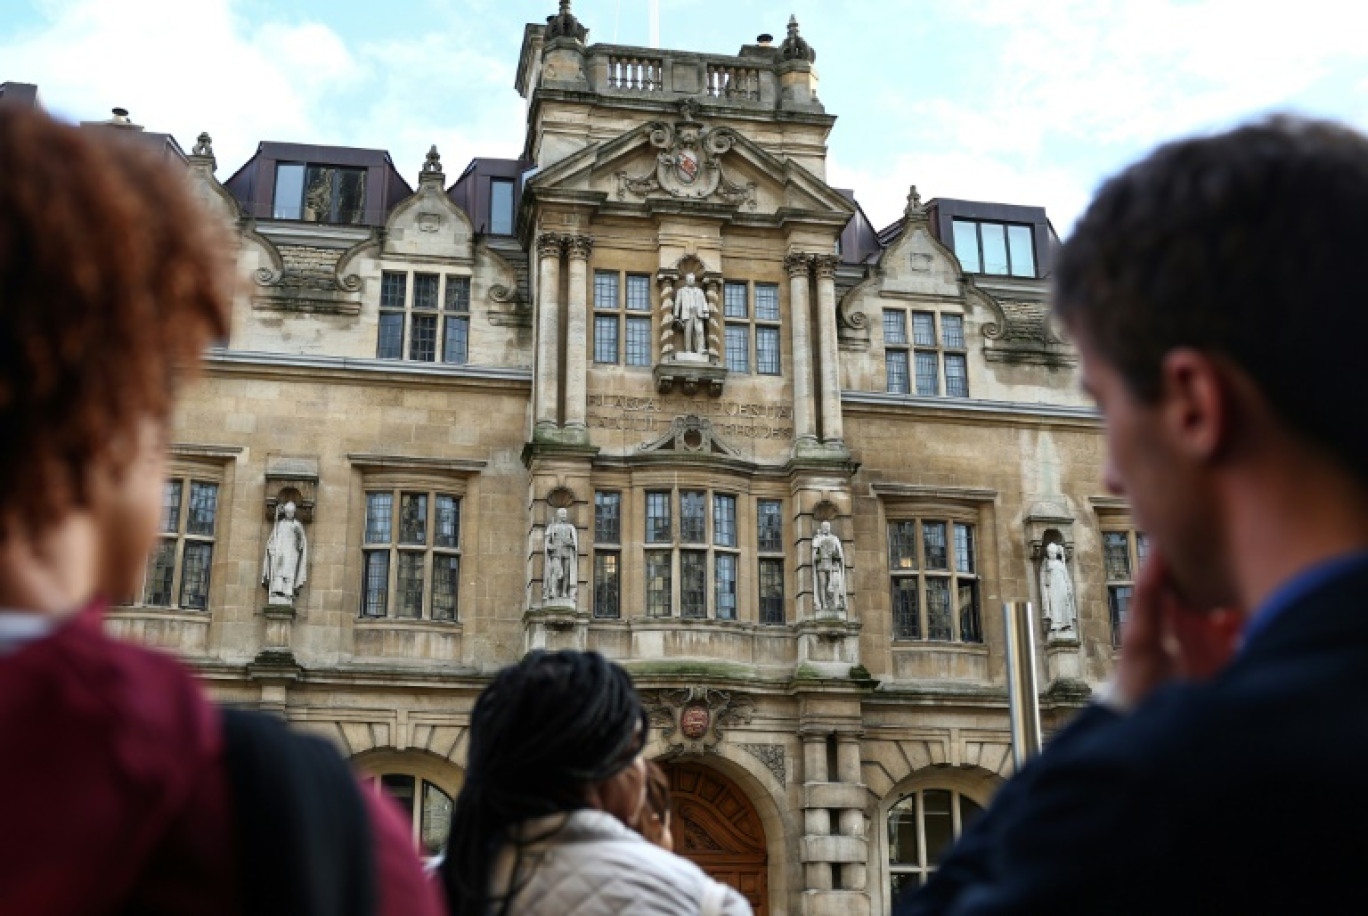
(1022,694)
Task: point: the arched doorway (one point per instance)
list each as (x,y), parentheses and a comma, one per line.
(716,827)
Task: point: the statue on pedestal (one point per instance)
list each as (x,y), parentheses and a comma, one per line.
(691,313)
(828,571)
(1057,603)
(561,573)
(284,570)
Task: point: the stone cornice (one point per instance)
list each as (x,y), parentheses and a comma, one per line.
(363,371)
(874,403)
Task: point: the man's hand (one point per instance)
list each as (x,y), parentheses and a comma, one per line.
(1165,638)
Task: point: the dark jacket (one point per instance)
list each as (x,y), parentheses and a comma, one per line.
(1244,794)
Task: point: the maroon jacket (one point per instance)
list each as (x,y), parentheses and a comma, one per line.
(113,792)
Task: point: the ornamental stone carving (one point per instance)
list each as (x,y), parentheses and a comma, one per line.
(579,247)
(689,164)
(692,720)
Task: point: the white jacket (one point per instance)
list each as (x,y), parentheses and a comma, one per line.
(595,866)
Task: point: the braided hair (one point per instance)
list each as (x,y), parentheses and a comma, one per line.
(542,732)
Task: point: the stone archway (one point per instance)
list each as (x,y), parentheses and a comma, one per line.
(716,827)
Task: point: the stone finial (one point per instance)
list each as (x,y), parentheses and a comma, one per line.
(914,204)
(434,162)
(204,146)
(795,47)
(565,25)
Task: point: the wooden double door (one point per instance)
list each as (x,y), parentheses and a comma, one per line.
(716,827)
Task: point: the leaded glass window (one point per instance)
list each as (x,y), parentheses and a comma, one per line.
(411,558)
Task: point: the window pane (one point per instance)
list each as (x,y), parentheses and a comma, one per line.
(500,207)
(1141,548)
(410,585)
(436,822)
(994,237)
(393,289)
(161,567)
(606,584)
(638,341)
(966,245)
(895,365)
(402,789)
(767,351)
(658,585)
(766,302)
(770,525)
(969,812)
(171,501)
(895,326)
(927,372)
(413,518)
(906,624)
(425,291)
(391,341)
(1118,603)
(320,190)
(938,608)
(902,545)
(738,348)
(658,527)
(1116,555)
(734,300)
(446,575)
(379,513)
(423,339)
(203,508)
(448,522)
(349,203)
(458,294)
(605,290)
(724,584)
(289,190)
(693,583)
(971,629)
(772,591)
(607,517)
(375,583)
(1022,250)
(903,843)
(939,823)
(605,339)
(692,516)
(964,548)
(952,331)
(924,329)
(956,376)
(638,293)
(933,538)
(724,521)
(456,346)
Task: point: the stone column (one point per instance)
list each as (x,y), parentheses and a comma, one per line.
(804,431)
(548,330)
(853,874)
(830,376)
(816,821)
(578,248)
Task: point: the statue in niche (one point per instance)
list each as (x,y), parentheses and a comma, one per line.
(1057,603)
(560,578)
(285,567)
(691,312)
(828,569)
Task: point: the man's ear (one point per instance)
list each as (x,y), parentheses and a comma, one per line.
(1197,403)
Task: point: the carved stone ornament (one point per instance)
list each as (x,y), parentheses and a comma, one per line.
(433,164)
(693,720)
(565,25)
(772,756)
(204,146)
(690,434)
(689,165)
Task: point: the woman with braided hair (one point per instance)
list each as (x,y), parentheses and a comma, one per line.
(555,776)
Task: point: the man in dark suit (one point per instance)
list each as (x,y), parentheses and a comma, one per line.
(1215,294)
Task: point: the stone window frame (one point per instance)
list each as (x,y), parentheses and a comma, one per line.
(607,603)
(944,350)
(424,768)
(768,557)
(923,574)
(1119,583)
(923,866)
(449,312)
(751,324)
(677,551)
(624,314)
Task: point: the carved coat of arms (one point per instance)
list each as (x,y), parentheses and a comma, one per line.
(688,165)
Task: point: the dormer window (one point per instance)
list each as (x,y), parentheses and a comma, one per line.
(1003,249)
(500,206)
(319,193)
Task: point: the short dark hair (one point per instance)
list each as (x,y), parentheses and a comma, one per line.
(112,280)
(1247,245)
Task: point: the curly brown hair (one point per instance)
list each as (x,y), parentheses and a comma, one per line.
(112,280)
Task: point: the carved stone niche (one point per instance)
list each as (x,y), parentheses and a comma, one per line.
(692,719)
(1048,521)
(291,479)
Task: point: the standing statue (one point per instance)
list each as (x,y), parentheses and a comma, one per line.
(691,313)
(828,568)
(285,567)
(560,578)
(1056,593)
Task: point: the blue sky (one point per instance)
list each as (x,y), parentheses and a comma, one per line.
(1030,103)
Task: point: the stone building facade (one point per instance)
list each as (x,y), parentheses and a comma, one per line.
(805,462)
